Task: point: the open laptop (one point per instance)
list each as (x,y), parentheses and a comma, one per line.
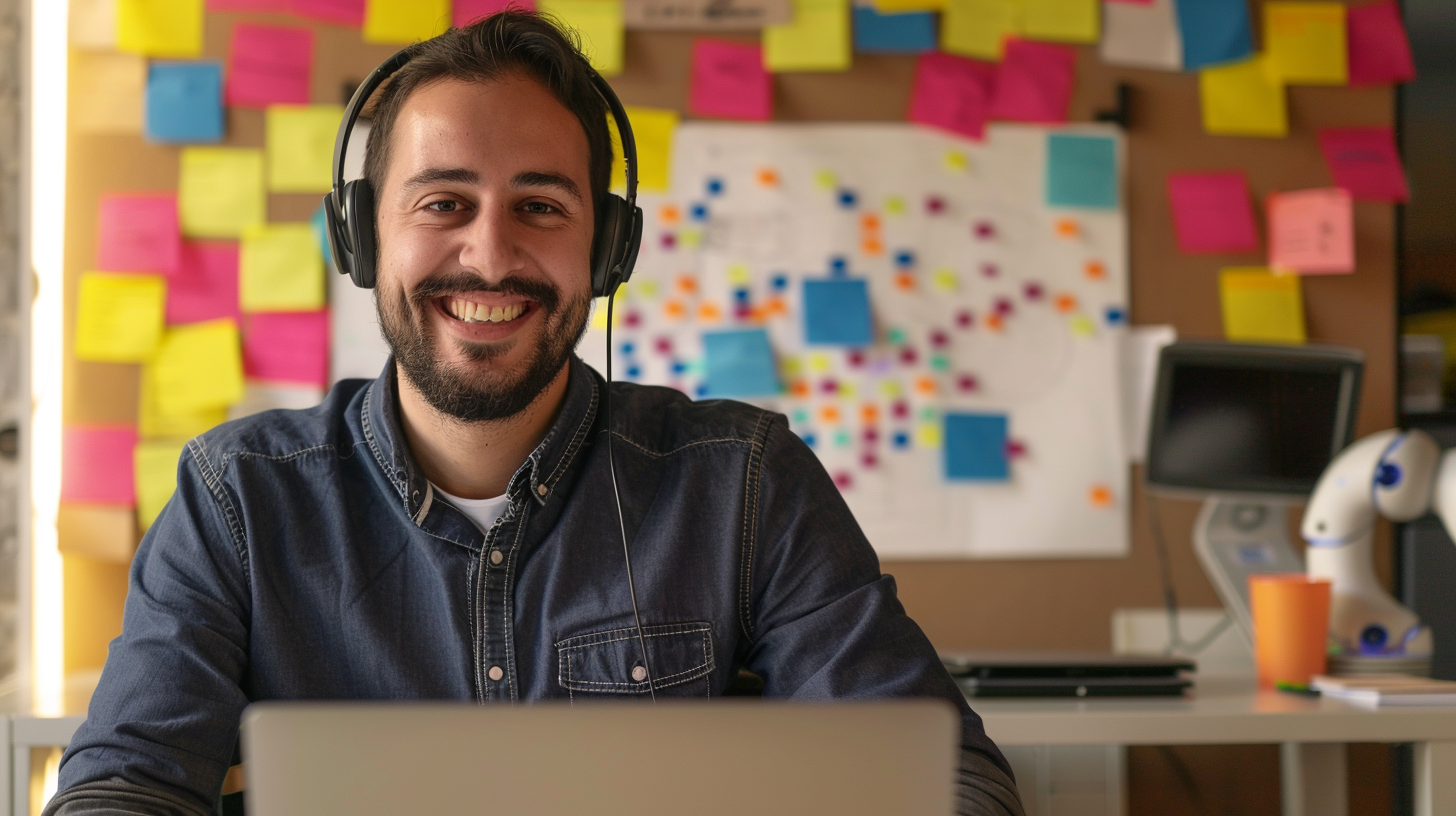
(607,759)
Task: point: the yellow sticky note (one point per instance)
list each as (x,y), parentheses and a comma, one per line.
(280,269)
(152,423)
(405,21)
(1244,99)
(199,366)
(155,463)
(93,24)
(900,6)
(1261,307)
(220,191)
(599,22)
(119,318)
(160,28)
(300,149)
(107,90)
(1076,21)
(652,128)
(817,39)
(979,28)
(1306,42)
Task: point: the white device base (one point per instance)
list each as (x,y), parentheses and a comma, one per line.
(1236,537)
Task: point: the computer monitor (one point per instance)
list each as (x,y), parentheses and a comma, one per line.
(1234,418)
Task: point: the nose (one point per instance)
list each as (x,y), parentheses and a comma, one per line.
(490,244)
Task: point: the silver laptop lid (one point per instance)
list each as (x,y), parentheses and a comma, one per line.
(710,758)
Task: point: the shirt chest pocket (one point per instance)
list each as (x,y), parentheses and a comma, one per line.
(610,662)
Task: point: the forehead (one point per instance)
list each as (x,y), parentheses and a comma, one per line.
(499,126)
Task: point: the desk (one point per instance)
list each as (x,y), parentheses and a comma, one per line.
(1312,733)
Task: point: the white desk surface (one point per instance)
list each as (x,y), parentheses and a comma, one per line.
(1217,711)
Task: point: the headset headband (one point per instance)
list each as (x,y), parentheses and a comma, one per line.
(386,69)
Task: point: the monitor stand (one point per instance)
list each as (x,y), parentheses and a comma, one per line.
(1236,537)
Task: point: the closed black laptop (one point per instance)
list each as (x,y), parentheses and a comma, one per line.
(1068,674)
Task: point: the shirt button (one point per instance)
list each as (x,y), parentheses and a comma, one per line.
(496,557)
(541,489)
(495,673)
(639,673)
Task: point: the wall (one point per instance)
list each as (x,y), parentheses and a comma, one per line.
(960,604)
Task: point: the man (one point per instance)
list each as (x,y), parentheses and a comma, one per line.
(448,530)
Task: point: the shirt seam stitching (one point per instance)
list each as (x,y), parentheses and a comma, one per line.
(751,485)
(213,480)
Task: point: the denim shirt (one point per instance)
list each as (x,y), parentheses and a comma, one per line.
(306,556)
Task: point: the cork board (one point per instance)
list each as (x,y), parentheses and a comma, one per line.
(1035,604)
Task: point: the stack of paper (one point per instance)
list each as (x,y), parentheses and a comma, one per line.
(1388,689)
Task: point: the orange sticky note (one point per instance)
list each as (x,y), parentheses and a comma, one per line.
(1312,232)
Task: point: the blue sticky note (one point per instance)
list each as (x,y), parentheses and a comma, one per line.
(909,33)
(1214,31)
(975,447)
(1081,171)
(739,363)
(184,102)
(837,312)
(319,223)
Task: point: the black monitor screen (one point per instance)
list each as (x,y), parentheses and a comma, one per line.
(1248,428)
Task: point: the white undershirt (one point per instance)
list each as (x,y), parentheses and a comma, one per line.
(483,512)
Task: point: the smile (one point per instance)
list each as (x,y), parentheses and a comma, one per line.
(471,312)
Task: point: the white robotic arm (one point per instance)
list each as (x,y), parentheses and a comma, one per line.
(1398,474)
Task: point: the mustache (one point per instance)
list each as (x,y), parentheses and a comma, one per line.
(460,283)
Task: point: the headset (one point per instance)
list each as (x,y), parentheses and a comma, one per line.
(349,217)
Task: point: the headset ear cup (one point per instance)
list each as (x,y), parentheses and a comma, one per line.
(605,243)
(358,198)
(337,235)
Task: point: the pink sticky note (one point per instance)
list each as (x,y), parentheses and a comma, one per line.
(1312,231)
(266,6)
(291,347)
(952,93)
(729,81)
(339,12)
(206,286)
(1034,83)
(466,12)
(1212,213)
(1379,50)
(269,65)
(96,464)
(1365,162)
(139,233)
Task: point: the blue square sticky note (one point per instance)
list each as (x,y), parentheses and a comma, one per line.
(1214,31)
(975,447)
(908,33)
(1081,171)
(739,363)
(837,312)
(184,102)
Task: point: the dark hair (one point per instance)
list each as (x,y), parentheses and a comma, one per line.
(504,43)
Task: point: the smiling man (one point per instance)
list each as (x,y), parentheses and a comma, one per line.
(448,530)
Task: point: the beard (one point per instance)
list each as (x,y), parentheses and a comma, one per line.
(459,390)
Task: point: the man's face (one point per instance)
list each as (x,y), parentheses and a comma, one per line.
(485,229)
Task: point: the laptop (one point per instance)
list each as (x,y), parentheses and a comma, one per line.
(607,759)
(1068,674)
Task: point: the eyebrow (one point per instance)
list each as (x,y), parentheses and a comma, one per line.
(435,175)
(554,180)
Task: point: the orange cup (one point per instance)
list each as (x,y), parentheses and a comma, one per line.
(1291,627)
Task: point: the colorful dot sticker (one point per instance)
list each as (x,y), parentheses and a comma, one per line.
(825,180)
(925,386)
(964,319)
(1065,303)
(698,212)
(669,214)
(1095,270)
(1033,291)
(739,274)
(842,439)
(873,247)
(967,383)
(848,199)
(890,388)
(668,241)
(894,205)
(900,410)
(995,322)
(956,161)
(895,336)
(927,436)
(869,460)
(869,222)
(1015,449)
(687,284)
(847,390)
(709,312)
(649,289)
(673,310)
(904,281)
(1082,326)
(1116,316)
(767,177)
(690,238)
(799,388)
(939,362)
(934,205)
(714,186)
(1100,496)
(1068,228)
(801,416)
(829,414)
(990,270)
(944,280)
(900,440)
(869,413)
(843,480)
(984,230)
(819,362)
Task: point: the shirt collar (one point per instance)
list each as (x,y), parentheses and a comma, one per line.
(537,476)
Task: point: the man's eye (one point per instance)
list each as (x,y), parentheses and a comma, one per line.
(538,208)
(443,206)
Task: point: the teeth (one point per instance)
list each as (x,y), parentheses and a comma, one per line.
(471,312)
